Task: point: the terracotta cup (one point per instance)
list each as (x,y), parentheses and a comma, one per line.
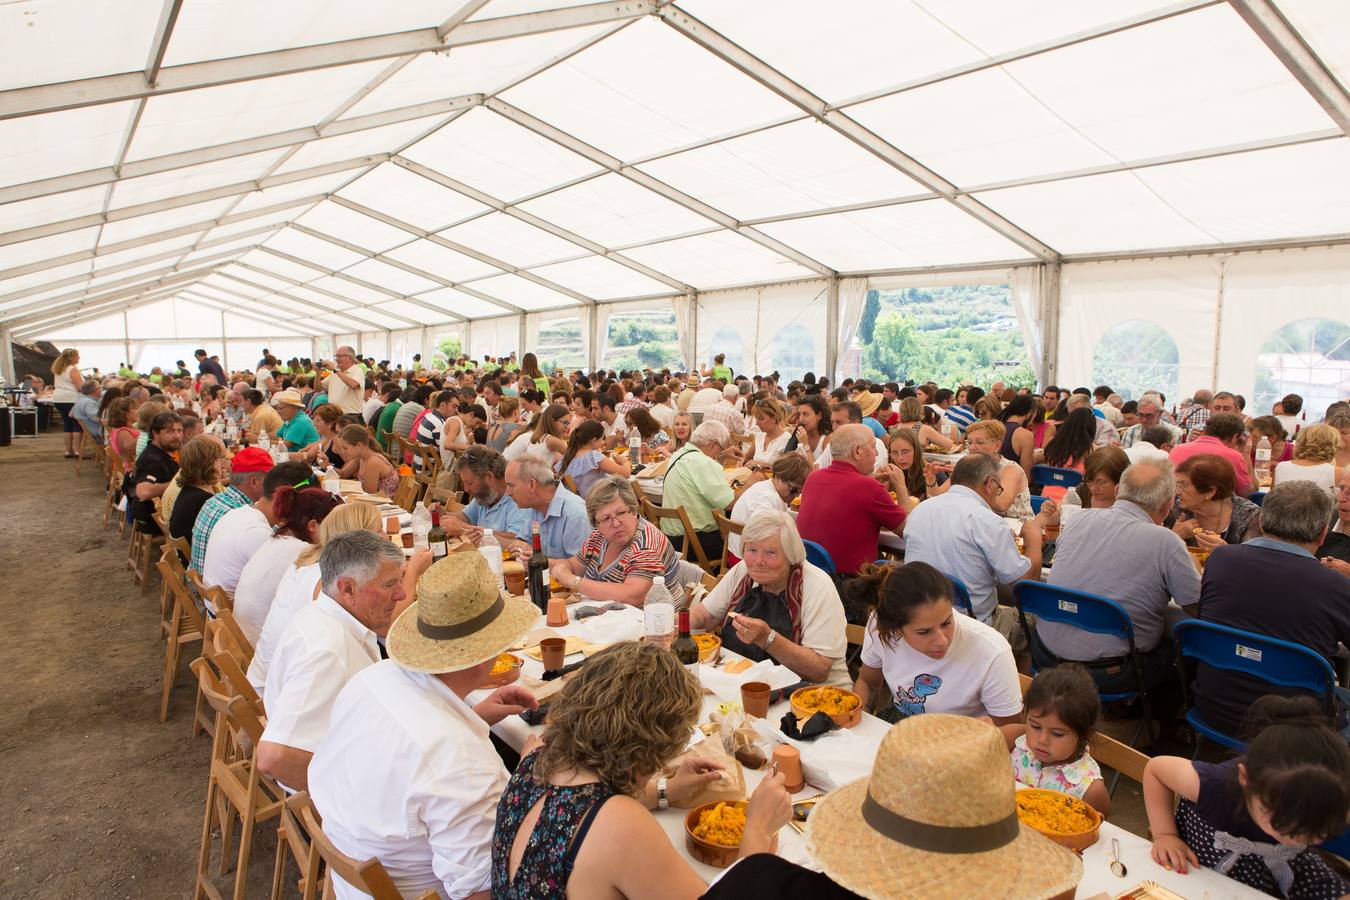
(789,762)
(553,650)
(515,582)
(557,611)
(755,698)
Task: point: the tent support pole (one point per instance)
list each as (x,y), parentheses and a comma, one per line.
(521,338)
(1050,278)
(126,335)
(6,357)
(224,347)
(832,330)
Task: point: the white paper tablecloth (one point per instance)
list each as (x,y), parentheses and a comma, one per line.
(843,756)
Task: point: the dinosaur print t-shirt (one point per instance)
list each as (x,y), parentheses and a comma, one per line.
(976,677)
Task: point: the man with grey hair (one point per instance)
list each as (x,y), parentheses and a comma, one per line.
(482,473)
(561,514)
(324,646)
(1275,586)
(843,507)
(1195,417)
(1126,553)
(724,411)
(695,481)
(347,385)
(959,534)
(1149,411)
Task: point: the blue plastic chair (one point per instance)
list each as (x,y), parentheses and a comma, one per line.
(1259,498)
(1037,501)
(819,557)
(1046,476)
(961,596)
(1339,845)
(1090,612)
(1270,659)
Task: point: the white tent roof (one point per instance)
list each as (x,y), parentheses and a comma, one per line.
(332,167)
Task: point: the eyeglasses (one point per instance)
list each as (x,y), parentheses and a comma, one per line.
(607,521)
(794,490)
(998,484)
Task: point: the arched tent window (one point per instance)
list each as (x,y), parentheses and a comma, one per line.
(642,339)
(1311,358)
(1135,356)
(793,352)
(560,345)
(728,341)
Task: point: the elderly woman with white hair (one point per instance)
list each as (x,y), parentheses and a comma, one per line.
(775,605)
(624,552)
(695,480)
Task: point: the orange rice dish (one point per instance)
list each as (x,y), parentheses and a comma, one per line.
(1054,812)
(505,663)
(723,824)
(705,641)
(829,700)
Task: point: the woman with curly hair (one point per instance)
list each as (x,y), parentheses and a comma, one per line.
(594,777)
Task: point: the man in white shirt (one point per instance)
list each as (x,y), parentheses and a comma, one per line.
(240,532)
(327,643)
(407,772)
(706,398)
(1152,442)
(347,385)
(725,411)
(960,535)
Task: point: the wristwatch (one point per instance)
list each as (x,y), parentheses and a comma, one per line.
(662,799)
(768,641)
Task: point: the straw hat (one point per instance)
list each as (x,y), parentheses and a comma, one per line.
(937,818)
(868,402)
(460,618)
(288,398)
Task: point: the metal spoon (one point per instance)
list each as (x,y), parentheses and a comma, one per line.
(1117,867)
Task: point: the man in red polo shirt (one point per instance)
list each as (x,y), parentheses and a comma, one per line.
(1224,437)
(843,507)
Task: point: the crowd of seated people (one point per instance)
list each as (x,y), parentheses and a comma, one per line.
(914,511)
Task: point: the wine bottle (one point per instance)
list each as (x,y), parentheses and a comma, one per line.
(536,571)
(440,548)
(685,648)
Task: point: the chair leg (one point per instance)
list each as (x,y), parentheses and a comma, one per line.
(226,814)
(279,868)
(172,650)
(204,855)
(248,817)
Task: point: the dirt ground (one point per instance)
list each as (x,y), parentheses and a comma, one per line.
(99,798)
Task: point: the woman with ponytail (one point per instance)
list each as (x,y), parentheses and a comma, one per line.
(299,512)
(369,464)
(1254,818)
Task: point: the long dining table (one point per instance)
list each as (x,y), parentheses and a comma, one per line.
(833,760)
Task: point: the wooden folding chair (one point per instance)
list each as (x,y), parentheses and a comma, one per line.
(141,555)
(406,450)
(185,626)
(85,436)
(405,496)
(728,528)
(390,447)
(110,500)
(218,596)
(235,786)
(571,485)
(693,550)
(643,500)
(854,635)
(368,876)
(293,840)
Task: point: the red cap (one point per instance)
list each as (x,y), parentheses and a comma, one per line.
(252,459)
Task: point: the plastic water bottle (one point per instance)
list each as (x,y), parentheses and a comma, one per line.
(491,549)
(949,429)
(331,482)
(1263,461)
(634,446)
(658,614)
(421,525)
(264,442)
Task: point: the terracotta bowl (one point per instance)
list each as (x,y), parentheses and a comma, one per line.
(843,720)
(508,676)
(1078,841)
(718,856)
(709,654)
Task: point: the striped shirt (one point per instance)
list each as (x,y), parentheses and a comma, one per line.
(961,416)
(647,555)
(213,511)
(429,433)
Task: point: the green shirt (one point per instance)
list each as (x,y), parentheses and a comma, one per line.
(696,482)
(386,421)
(417,365)
(126,372)
(299,432)
(722,374)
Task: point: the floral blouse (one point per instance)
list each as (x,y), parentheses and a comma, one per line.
(1072,778)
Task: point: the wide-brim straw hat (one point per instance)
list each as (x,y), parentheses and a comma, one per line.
(460,618)
(868,402)
(288,398)
(937,818)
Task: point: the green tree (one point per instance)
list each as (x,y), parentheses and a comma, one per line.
(450,347)
(888,356)
(867,325)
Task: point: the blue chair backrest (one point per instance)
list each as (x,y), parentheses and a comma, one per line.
(1037,501)
(1339,845)
(819,557)
(1090,612)
(1049,475)
(961,596)
(1259,498)
(1270,659)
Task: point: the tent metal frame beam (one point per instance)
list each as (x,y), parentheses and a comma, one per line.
(269,291)
(542,224)
(1283,40)
(113,297)
(259,314)
(331,322)
(769,77)
(46,98)
(309,286)
(168,18)
(186,158)
(637,176)
(67,319)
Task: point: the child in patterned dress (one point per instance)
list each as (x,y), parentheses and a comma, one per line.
(1051,750)
(1256,817)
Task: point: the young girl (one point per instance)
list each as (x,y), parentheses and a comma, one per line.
(1051,750)
(1254,817)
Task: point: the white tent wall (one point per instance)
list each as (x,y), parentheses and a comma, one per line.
(498,336)
(760,329)
(375,344)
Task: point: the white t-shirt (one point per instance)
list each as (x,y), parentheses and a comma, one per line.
(760,495)
(822,617)
(769,452)
(258,582)
(976,677)
(664,415)
(260,380)
(374,403)
(234,540)
(705,400)
(296,590)
(63,386)
(346,398)
(1323,475)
